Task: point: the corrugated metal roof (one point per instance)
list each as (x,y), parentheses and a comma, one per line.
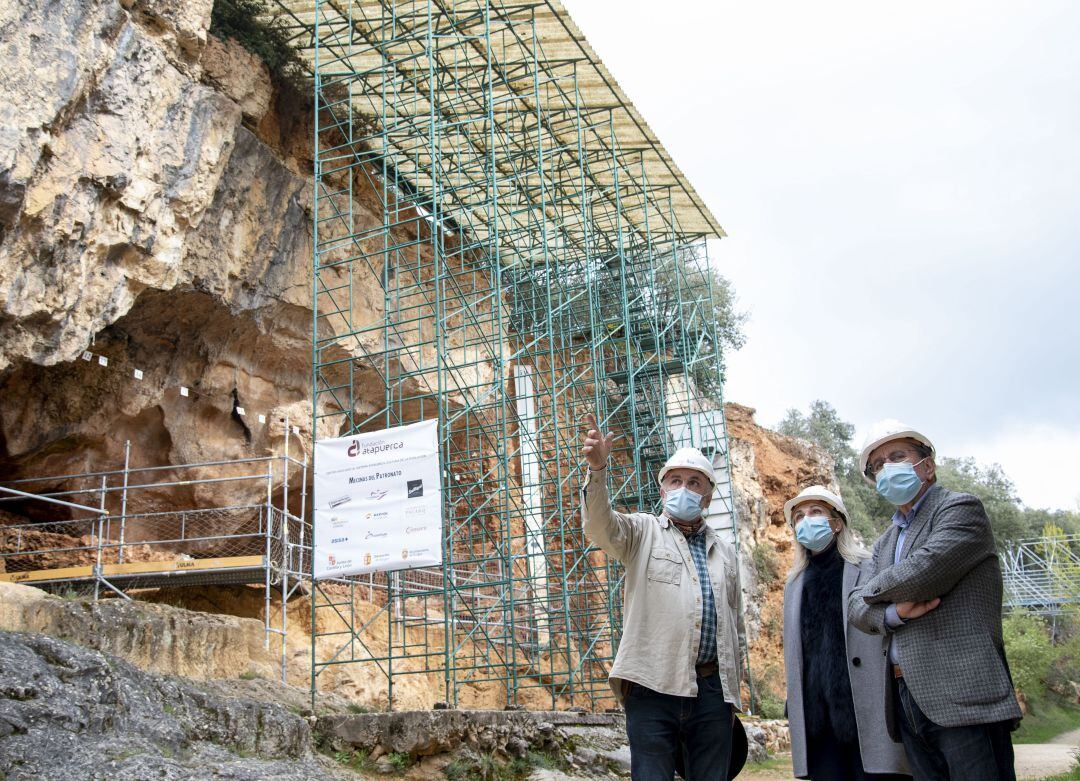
(546,87)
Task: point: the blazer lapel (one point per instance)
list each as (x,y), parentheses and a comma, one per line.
(851,578)
(888,548)
(792,617)
(920,523)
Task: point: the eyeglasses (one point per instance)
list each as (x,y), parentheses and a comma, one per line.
(897,456)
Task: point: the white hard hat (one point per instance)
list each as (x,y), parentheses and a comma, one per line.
(886,431)
(688,458)
(819,493)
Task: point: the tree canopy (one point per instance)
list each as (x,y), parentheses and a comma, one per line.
(870,514)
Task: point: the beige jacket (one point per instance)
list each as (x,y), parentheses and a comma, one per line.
(662,599)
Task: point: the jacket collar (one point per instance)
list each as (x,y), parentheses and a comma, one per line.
(665,522)
(711,537)
(851,577)
(925,511)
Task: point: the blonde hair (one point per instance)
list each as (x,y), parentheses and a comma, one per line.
(851,550)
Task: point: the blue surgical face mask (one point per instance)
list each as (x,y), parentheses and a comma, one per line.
(683,504)
(814,532)
(898,483)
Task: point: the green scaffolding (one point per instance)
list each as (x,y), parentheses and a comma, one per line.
(491,251)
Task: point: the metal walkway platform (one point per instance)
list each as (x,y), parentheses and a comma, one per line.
(1042,574)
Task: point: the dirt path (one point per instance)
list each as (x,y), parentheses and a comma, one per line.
(782,769)
(1033,760)
(1039,760)
(1068,738)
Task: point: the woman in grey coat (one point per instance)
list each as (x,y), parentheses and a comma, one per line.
(835,673)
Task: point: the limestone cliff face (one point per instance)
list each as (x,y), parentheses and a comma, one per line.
(767,470)
(148,214)
(155,209)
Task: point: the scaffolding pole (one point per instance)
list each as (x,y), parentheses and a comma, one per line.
(500,245)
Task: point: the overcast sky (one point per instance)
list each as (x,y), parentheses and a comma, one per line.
(899,183)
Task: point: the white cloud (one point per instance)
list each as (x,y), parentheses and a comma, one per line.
(899,184)
(1043,462)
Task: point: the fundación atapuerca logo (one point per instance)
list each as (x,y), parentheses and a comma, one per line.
(374,447)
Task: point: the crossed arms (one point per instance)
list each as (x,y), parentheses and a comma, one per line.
(959,540)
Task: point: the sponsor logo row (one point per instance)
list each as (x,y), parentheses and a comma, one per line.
(413,513)
(368,558)
(414,489)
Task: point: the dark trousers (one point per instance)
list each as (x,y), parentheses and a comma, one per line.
(981,752)
(663,728)
(828,759)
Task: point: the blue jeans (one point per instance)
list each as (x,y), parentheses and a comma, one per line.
(691,732)
(980,752)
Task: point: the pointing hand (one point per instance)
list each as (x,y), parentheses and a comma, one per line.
(596,447)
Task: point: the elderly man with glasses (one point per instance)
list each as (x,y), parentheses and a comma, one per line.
(678,667)
(935,598)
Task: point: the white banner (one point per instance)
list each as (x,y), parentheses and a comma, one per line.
(378,501)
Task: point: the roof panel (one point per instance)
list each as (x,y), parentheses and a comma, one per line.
(362,36)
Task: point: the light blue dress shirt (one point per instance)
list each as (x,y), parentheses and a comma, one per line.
(901,521)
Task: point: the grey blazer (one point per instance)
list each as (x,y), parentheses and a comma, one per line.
(953,658)
(866,669)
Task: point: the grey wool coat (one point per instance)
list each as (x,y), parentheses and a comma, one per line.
(952,658)
(866,664)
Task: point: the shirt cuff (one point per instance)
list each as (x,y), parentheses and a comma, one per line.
(892,618)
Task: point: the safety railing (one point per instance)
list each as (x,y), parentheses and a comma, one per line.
(1042,574)
(228,521)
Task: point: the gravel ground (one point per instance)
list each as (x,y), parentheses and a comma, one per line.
(1033,760)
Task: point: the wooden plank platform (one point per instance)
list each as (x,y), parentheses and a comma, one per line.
(59,573)
(135,569)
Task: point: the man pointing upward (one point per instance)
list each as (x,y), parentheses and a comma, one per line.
(677,669)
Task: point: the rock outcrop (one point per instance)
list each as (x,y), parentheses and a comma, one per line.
(133,225)
(218,632)
(768,469)
(157,638)
(156,246)
(70,713)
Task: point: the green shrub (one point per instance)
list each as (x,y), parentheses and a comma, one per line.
(766,563)
(1065,668)
(768,695)
(770,707)
(247,23)
(1029,651)
(358,760)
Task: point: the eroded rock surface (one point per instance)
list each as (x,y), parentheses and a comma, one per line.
(767,469)
(67,712)
(141,220)
(155,211)
(157,638)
